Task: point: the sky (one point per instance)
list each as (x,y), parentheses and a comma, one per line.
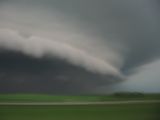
(79,46)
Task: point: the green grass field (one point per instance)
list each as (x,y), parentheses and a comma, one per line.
(144,111)
(62,98)
(135,111)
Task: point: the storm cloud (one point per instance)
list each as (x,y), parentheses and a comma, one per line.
(86,43)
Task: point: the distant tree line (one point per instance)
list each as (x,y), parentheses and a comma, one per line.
(128,94)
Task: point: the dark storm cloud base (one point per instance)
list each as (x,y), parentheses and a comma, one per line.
(24,74)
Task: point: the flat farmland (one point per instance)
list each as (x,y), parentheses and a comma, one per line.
(142,111)
(45,107)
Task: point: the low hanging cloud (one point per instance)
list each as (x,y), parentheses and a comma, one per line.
(39,47)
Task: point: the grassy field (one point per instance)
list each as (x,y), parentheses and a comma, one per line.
(136,111)
(141,111)
(59,98)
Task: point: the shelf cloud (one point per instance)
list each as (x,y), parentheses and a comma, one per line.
(100,41)
(39,47)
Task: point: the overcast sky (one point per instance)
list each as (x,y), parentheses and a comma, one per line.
(79,46)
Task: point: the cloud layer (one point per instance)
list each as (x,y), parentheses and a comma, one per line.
(104,38)
(39,47)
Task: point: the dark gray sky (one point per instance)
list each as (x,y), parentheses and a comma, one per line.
(79,46)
